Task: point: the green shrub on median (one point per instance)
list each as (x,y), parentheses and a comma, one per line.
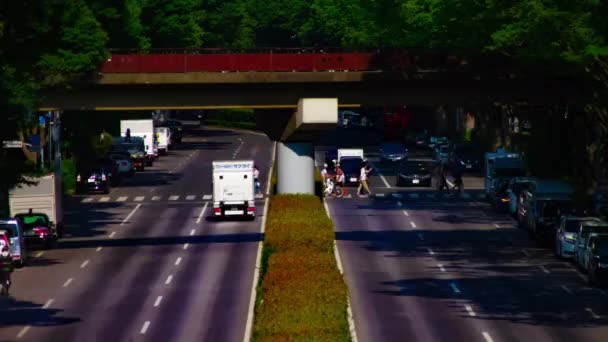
(303,296)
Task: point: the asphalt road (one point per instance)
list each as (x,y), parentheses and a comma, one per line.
(144,263)
(424,267)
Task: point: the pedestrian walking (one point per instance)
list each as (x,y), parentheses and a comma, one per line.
(363,176)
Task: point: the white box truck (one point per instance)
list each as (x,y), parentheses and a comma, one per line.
(43,197)
(502,164)
(163,136)
(145,130)
(350,152)
(233,188)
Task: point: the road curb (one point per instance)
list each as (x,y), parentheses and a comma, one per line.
(349,311)
(258,259)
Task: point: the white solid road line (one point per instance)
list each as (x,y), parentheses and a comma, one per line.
(39,254)
(121,199)
(544,269)
(48,303)
(470,310)
(112,235)
(168,281)
(207,197)
(406,213)
(487,337)
(384,180)
(192,232)
(68,282)
(157,301)
(178,261)
(190,197)
(156,198)
(566,288)
(185,246)
(84,264)
(173,198)
(430,251)
(420,236)
(130,214)
(441,268)
(455,288)
(145,327)
(139,198)
(413,224)
(593,314)
(202,214)
(99,249)
(24,331)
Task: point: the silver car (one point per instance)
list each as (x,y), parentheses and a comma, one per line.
(14,230)
(565,236)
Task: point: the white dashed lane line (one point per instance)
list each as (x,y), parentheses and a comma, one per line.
(48,303)
(544,269)
(68,282)
(441,268)
(185,246)
(156,198)
(593,314)
(581,276)
(430,251)
(487,336)
(202,214)
(158,300)
(192,232)
(455,288)
(413,224)
(470,310)
(406,213)
(112,235)
(207,197)
(168,281)
(130,214)
(190,197)
(145,327)
(23,331)
(39,254)
(178,261)
(84,264)
(496,225)
(104,199)
(98,249)
(566,288)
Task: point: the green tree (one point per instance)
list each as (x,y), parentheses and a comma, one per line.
(173,24)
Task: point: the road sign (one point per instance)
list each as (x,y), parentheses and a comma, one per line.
(12,144)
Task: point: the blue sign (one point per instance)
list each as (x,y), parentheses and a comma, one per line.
(42,120)
(34,140)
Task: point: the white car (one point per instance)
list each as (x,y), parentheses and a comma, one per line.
(566,234)
(14,231)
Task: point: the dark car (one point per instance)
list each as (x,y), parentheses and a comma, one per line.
(598,263)
(110,168)
(417,172)
(351,166)
(392,153)
(38,230)
(92,180)
(469,156)
(176,131)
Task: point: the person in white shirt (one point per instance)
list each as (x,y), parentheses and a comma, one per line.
(256,178)
(365,170)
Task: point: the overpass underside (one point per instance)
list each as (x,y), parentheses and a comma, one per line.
(283,89)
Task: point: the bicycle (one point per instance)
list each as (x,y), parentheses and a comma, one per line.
(332,190)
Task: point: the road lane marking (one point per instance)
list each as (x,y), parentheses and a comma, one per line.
(178,261)
(496,225)
(441,268)
(145,327)
(399,202)
(398,196)
(470,310)
(24,331)
(384,180)
(413,224)
(566,288)
(87,200)
(192,232)
(466,195)
(48,303)
(379,195)
(112,234)
(455,288)
(420,236)
(190,197)
(406,213)
(168,281)
(414,195)
(200,216)
(544,269)
(207,197)
(104,199)
(157,301)
(84,264)
(593,314)
(139,198)
(525,253)
(130,214)
(185,246)
(156,198)
(487,337)
(68,282)
(98,249)
(173,198)
(430,251)
(121,199)
(581,276)
(39,254)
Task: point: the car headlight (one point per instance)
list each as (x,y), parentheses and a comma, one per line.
(602,265)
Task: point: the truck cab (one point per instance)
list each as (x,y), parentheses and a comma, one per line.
(501,166)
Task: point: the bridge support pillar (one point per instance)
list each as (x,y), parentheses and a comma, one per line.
(295,168)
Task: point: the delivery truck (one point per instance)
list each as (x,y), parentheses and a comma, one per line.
(233,189)
(163,136)
(43,195)
(145,130)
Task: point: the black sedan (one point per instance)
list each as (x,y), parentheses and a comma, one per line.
(38,230)
(93,180)
(416,172)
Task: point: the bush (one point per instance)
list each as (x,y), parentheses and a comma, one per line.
(303,296)
(68,176)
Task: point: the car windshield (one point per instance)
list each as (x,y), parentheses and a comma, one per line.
(416,167)
(350,165)
(11,228)
(392,149)
(572,226)
(35,220)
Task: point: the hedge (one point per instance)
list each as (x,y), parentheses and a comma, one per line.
(302,295)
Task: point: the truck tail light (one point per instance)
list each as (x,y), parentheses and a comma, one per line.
(251,209)
(41,231)
(78,179)
(217,211)
(104,178)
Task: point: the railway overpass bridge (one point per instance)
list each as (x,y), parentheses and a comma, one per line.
(309,85)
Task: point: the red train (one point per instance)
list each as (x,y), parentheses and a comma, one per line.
(270,61)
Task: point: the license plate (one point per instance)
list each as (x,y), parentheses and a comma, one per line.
(415,181)
(469,166)
(91,180)
(234,212)
(353,179)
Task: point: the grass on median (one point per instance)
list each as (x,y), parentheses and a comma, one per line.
(302,294)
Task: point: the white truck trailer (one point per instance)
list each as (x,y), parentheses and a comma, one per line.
(350,152)
(43,197)
(145,130)
(163,136)
(233,188)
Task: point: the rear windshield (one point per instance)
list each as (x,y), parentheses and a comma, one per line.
(35,220)
(11,228)
(351,164)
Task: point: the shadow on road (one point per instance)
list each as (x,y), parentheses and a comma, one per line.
(19,313)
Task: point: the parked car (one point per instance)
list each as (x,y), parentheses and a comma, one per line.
(468,156)
(92,180)
(585,231)
(392,153)
(125,163)
(38,230)
(597,273)
(566,234)
(13,228)
(417,172)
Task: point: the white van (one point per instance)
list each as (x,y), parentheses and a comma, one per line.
(162,135)
(233,188)
(350,152)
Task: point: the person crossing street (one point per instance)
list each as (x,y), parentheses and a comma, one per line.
(363,176)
